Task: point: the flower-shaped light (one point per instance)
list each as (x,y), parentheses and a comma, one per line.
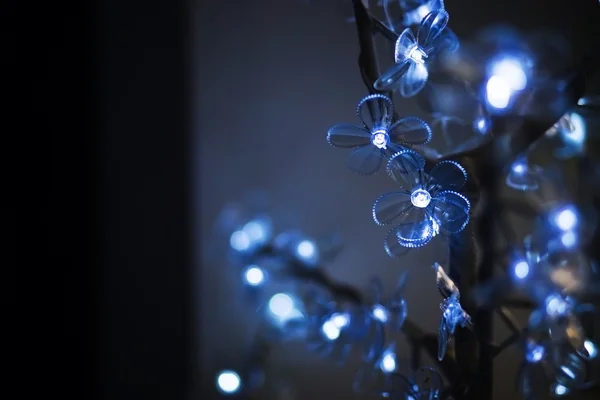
(523,176)
(427,204)
(453,314)
(298,247)
(423,384)
(378,136)
(376,372)
(393,312)
(409,74)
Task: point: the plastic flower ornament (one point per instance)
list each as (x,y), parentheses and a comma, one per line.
(453,314)
(426,205)
(409,74)
(378,136)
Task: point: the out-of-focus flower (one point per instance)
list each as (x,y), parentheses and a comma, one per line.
(378,136)
(393,312)
(427,204)
(409,73)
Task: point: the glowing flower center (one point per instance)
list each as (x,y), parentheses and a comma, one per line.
(420,198)
(380,138)
(417,54)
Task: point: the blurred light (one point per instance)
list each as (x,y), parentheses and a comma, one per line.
(306,249)
(388,362)
(510,70)
(481,125)
(254,275)
(568,371)
(281,305)
(256,230)
(560,390)
(522,269)
(228,382)
(519,167)
(333,326)
(239,241)
(535,352)
(380,313)
(555,305)
(566,219)
(497,92)
(576,135)
(568,239)
(591,349)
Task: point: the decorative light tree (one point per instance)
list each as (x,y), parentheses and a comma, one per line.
(494,103)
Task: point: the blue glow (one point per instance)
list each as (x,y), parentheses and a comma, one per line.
(388,362)
(510,70)
(281,305)
(535,352)
(306,249)
(521,269)
(228,382)
(576,135)
(239,241)
(569,239)
(481,125)
(254,275)
(560,390)
(556,305)
(566,219)
(256,231)
(334,325)
(591,349)
(497,92)
(380,313)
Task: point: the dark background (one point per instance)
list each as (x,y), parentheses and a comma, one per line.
(170,110)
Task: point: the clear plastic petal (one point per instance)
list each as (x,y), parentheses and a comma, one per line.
(392,245)
(399,387)
(410,130)
(391,78)
(432,25)
(376,111)
(406,168)
(413,81)
(348,135)
(391,206)
(446,42)
(447,175)
(451,212)
(365,160)
(405,42)
(417,233)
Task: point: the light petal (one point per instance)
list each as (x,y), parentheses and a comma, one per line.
(375,111)
(390,206)
(432,25)
(451,212)
(365,160)
(446,42)
(406,168)
(417,233)
(392,246)
(348,135)
(413,81)
(405,42)
(410,130)
(391,78)
(375,289)
(447,175)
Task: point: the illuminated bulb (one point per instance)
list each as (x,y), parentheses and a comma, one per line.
(239,240)
(306,249)
(254,275)
(420,198)
(388,362)
(591,349)
(556,306)
(568,239)
(521,269)
(566,220)
(535,353)
(380,139)
(255,230)
(518,168)
(228,382)
(498,92)
(331,331)
(511,72)
(417,54)
(281,305)
(339,320)
(380,313)
(560,390)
